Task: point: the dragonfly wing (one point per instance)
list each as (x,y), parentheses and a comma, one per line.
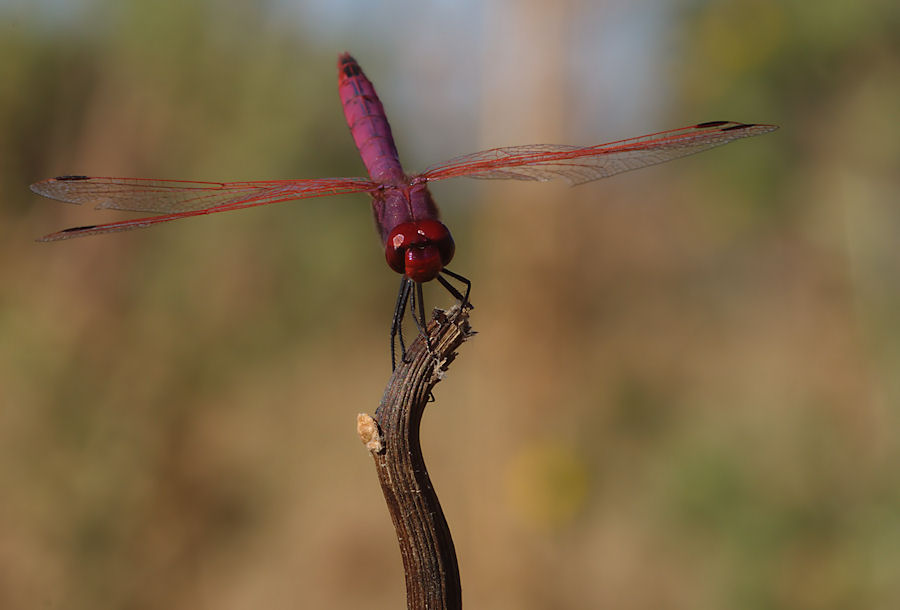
(175,199)
(579,164)
(166,196)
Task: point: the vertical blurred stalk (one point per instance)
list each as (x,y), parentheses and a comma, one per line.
(526,87)
(526,103)
(523,239)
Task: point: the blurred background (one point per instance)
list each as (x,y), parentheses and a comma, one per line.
(684,392)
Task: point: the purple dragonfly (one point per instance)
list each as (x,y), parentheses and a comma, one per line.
(417,244)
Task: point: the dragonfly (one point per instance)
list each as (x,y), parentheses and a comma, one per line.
(417,245)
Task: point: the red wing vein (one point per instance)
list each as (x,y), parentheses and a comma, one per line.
(175,199)
(583,164)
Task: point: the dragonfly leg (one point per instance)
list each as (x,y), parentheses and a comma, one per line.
(397,321)
(417,311)
(462,298)
(410,294)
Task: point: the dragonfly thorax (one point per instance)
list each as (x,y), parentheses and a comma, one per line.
(419,249)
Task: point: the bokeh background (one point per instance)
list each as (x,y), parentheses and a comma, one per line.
(684,392)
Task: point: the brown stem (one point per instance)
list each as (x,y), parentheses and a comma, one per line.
(429,559)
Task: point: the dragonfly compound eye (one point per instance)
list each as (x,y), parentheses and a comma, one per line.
(419,249)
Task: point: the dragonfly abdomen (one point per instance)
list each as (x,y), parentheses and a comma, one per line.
(368,123)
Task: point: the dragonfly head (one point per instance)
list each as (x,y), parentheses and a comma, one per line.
(419,249)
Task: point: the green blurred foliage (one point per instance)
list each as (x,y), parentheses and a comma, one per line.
(690,403)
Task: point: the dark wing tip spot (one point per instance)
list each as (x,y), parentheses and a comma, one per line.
(68,177)
(739,126)
(712,124)
(74,229)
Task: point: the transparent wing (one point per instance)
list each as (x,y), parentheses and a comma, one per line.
(175,199)
(579,164)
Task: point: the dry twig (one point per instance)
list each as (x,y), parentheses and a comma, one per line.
(392,436)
